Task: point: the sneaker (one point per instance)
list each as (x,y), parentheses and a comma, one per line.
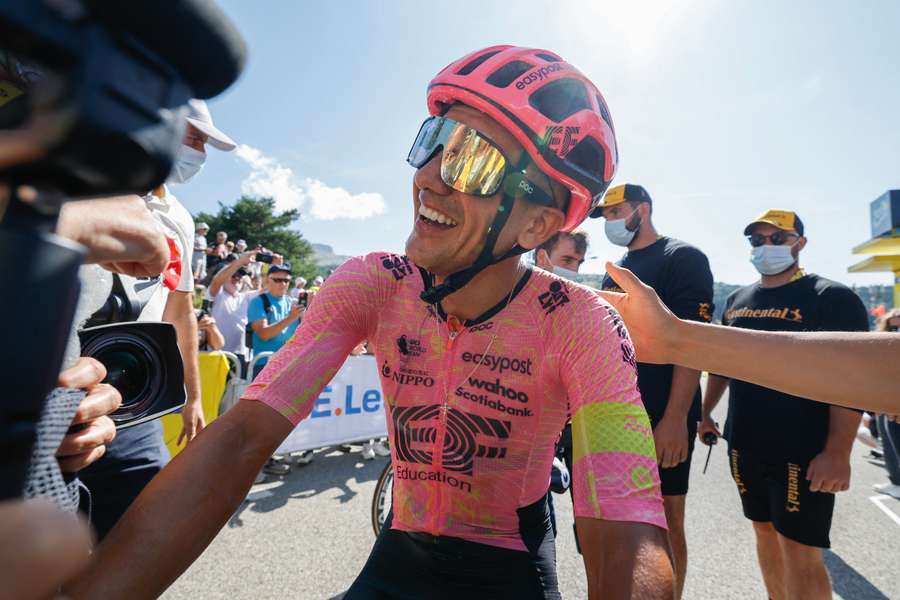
(865,436)
(368,452)
(301,459)
(888,488)
(381,449)
(276,467)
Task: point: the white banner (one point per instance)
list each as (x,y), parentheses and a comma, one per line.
(349,409)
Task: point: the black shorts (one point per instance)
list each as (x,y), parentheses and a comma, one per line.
(779,493)
(404,565)
(674,481)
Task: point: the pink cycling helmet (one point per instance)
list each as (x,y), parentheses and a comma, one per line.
(551,108)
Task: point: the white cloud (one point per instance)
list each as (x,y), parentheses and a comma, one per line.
(314,198)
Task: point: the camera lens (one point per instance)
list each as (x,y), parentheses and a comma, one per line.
(126,371)
(134,366)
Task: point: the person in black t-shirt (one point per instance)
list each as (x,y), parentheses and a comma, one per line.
(681,276)
(789,455)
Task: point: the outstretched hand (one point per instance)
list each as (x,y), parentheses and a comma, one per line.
(651,325)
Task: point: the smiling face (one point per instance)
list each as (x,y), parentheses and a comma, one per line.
(450,227)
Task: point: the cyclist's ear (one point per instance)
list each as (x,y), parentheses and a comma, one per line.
(541,222)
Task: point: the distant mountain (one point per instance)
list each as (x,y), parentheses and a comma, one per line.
(325,257)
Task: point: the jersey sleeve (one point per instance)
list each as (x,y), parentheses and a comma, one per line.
(340,316)
(842,310)
(615,471)
(689,290)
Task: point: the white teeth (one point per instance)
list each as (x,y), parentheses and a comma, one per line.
(433,215)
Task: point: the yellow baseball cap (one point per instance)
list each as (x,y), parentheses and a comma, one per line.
(785,220)
(619,194)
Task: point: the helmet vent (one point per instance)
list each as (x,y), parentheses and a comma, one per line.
(476,62)
(588,155)
(560,99)
(604,112)
(508,73)
(549,57)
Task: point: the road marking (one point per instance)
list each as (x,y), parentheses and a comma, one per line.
(879,502)
(262,494)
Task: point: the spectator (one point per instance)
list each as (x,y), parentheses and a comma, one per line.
(317,283)
(299,288)
(240,246)
(218,252)
(563,253)
(889,429)
(198,259)
(138,453)
(230,246)
(231,299)
(209,338)
(273,315)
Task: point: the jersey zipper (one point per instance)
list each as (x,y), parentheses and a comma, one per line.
(438,449)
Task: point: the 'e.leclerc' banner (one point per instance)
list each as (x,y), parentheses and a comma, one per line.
(349,409)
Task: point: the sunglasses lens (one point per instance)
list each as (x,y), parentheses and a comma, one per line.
(426,142)
(778,238)
(471,164)
(757,240)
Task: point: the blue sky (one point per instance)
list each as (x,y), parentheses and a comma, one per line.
(722,110)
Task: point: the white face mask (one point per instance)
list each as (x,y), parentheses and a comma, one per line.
(188,163)
(772,260)
(617,230)
(565,273)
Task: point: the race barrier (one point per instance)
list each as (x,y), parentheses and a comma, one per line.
(349,409)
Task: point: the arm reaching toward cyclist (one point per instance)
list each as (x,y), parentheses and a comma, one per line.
(852,369)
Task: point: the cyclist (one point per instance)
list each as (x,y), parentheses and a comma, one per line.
(482,359)
(789,455)
(680,274)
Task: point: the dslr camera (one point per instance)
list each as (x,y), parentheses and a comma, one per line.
(142,359)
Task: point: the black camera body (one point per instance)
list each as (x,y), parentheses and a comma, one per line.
(142,359)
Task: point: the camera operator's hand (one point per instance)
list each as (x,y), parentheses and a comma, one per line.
(205,322)
(91,428)
(44,548)
(120,234)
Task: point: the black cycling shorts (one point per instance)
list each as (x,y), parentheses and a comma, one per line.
(779,493)
(413,566)
(674,481)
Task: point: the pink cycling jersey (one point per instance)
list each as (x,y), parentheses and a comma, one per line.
(474,411)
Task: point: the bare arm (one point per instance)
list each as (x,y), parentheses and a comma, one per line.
(222,277)
(830,470)
(179,312)
(180,512)
(119,232)
(625,560)
(267,332)
(855,369)
(671,433)
(214,337)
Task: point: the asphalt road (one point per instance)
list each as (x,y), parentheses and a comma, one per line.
(306,536)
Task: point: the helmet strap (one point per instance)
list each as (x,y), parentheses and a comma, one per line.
(455,281)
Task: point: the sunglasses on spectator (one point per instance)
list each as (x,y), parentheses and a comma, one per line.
(777,238)
(280,279)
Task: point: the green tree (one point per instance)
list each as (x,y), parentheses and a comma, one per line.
(255,221)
